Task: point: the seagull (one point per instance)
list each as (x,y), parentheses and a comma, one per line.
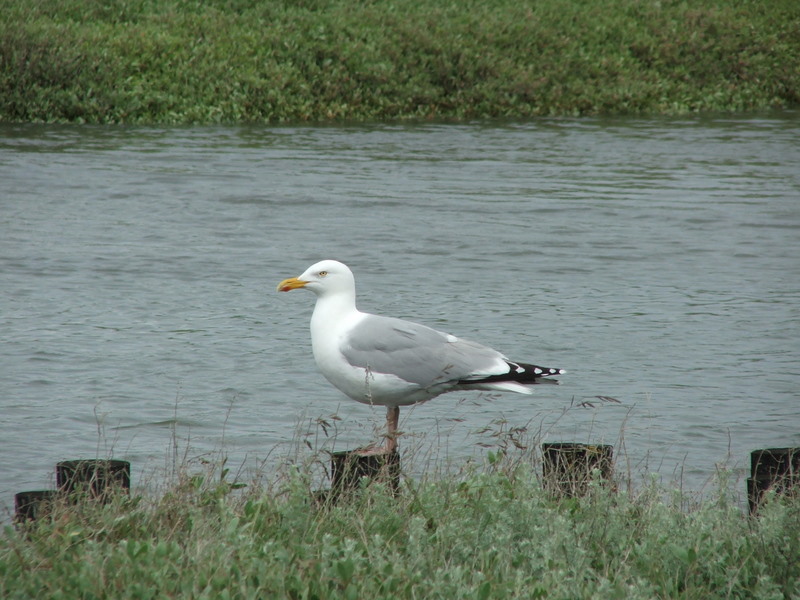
(391,362)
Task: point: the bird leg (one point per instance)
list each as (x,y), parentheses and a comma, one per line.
(392,421)
(390,443)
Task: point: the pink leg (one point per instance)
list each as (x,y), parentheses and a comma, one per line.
(390,445)
(392,421)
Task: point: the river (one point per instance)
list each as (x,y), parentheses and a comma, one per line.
(656,260)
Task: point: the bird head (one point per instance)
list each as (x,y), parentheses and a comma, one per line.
(322,278)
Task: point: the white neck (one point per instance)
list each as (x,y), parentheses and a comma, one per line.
(333,310)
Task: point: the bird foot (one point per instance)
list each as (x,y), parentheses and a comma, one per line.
(374,450)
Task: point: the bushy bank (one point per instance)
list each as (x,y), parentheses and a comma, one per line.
(490,533)
(184,61)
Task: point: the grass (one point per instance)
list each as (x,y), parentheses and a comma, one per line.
(489,531)
(182,61)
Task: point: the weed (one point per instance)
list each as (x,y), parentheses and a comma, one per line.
(485,531)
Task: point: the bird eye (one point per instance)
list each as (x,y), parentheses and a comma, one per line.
(323,273)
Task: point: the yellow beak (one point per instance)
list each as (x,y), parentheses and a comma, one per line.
(291,284)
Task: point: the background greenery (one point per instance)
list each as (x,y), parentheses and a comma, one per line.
(192,61)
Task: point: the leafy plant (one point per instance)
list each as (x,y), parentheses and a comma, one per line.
(172,61)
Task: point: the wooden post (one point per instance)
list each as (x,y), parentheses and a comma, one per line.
(567,467)
(775,469)
(348,468)
(97,479)
(32,505)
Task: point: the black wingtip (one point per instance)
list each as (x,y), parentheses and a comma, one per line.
(523,373)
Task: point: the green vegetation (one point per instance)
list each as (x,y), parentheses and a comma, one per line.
(187,61)
(486,533)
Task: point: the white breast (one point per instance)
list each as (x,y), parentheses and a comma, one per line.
(328,334)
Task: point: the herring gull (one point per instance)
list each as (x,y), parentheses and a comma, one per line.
(392,362)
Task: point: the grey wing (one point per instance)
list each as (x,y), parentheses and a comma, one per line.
(416,353)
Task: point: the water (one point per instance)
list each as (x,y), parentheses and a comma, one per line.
(656,260)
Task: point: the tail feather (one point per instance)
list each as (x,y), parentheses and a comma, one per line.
(521,373)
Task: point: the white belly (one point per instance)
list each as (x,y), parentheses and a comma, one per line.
(359,383)
(367,386)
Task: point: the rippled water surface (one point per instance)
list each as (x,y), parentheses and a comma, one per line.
(658,261)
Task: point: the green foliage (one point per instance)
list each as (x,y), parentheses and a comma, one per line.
(184,61)
(492,534)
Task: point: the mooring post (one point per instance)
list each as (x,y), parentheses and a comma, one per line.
(567,466)
(349,467)
(776,469)
(98,479)
(33,504)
